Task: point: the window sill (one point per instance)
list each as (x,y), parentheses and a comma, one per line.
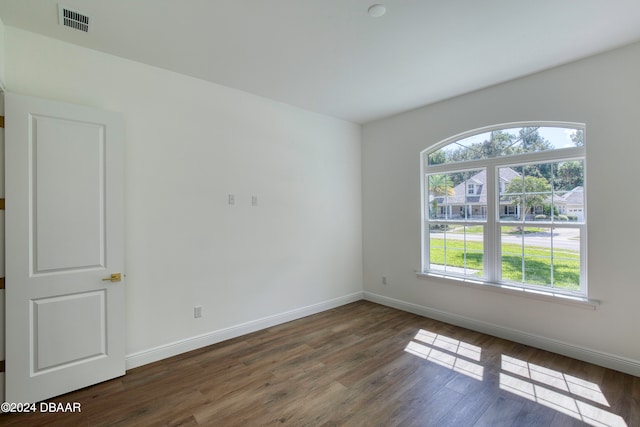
(575,301)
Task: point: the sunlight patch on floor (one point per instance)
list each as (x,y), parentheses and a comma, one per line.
(448,352)
(559,391)
(567,394)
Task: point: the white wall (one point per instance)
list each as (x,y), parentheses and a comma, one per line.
(603,92)
(189,144)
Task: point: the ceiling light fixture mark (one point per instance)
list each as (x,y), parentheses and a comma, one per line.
(376,10)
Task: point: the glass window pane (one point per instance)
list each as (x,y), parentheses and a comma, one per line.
(542,256)
(457,195)
(568,175)
(457,249)
(538,193)
(511,193)
(506,142)
(512,257)
(566,258)
(568,199)
(437,247)
(439,189)
(537,255)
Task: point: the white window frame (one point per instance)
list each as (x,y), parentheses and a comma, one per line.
(493,224)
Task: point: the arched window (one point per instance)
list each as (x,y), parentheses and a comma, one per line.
(506,205)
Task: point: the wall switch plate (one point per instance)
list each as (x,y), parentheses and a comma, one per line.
(197,311)
(254,200)
(232,199)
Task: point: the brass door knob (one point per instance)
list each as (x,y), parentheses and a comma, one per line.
(115,277)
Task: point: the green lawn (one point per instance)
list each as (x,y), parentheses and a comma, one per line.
(537,262)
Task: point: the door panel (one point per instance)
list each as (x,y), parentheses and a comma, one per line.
(59,339)
(68,190)
(64,235)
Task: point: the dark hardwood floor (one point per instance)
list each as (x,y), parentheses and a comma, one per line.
(362,364)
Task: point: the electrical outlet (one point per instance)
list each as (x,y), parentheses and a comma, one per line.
(197,311)
(254,200)
(384,280)
(232,199)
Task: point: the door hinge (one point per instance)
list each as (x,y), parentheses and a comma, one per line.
(2,122)
(1,282)
(1,204)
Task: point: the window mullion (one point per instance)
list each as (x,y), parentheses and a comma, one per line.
(490,229)
(583,259)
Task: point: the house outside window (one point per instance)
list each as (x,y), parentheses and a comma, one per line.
(509,210)
(511,207)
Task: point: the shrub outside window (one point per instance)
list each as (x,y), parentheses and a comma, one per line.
(506,205)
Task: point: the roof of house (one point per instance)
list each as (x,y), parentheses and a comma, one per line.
(574,197)
(460,196)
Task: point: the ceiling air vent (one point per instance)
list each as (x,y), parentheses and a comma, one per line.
(73,19)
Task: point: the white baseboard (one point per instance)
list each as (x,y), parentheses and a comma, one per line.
(172,349)
(607,360)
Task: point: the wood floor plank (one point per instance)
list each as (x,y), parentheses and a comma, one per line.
(361,364)
(469,408)
(533,414)
(502,412)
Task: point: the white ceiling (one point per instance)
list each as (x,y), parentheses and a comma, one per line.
(329,56)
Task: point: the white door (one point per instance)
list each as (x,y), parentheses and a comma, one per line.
(64,236)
